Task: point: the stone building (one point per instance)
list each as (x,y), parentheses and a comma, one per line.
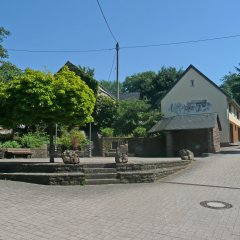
(191,105)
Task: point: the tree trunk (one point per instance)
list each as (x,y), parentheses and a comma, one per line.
(51,147)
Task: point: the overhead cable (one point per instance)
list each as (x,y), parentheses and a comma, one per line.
(182,42)
(60,51)
(125,47)
(105,19)
(112,66)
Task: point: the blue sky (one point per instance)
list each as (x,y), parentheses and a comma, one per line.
(78,25)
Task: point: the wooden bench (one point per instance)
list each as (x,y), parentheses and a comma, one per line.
(13,152)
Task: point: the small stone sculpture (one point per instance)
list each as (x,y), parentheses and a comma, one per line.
(121,154)
(186,154)
(70,157)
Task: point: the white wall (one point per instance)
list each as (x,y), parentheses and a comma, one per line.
(233,116)
(203,97)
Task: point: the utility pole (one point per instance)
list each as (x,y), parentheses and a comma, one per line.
(117,69)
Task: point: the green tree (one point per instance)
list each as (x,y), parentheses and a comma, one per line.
(151,85)
(3,34)
(231,84)
(163,82)
(8,71)
(104,112)
(140,82)
(111,86)
(86,74)
(41,98)
(133,114)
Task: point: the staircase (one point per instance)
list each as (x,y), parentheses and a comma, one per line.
(96,174)
(89,174)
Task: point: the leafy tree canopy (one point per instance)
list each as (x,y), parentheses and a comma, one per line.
(151,85)
(163,82)
(3,34)
(231,84)
(133,114)
(140,82)
(86,74)
(105,112)
(8,71)
(41,98)
(111,86)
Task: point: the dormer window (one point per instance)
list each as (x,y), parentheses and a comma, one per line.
(192,83)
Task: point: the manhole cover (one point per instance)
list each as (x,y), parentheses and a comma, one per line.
(216,204)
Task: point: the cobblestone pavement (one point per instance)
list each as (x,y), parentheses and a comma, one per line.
(168,209)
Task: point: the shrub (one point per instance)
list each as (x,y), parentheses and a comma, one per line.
(107,132)
(73,139)
(33,140)
(139,132)
(10,144)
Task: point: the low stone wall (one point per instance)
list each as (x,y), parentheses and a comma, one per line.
(142,147)
(136,177)
(39,152)
(79,174)
(148,172)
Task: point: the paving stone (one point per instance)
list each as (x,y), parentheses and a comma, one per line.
(168,209)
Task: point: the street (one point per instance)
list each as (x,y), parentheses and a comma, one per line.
(168,209)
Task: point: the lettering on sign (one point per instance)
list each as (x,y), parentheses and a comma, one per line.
(194,106)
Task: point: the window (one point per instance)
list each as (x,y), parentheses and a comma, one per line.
(230,107)
(192,83)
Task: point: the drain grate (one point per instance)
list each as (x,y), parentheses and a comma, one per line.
(216,204)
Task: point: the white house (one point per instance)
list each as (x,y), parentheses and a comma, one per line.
(193,94)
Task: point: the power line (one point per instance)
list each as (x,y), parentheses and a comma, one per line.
(183,42)
(124,47)
(105,19)
(112,66)
(60,51)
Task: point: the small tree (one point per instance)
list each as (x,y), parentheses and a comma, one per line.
(41,98)
(8,71)
(104,113)
(231,84)
(3,34)
(133,114)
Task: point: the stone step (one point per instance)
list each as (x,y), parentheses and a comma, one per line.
(99,170)
(100,175)
(101,181)
(98,165)
(71,178)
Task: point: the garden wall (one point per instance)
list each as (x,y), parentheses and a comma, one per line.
(142,147)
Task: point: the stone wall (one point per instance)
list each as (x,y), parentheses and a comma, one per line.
(142,147)
(216,139)
(39,152)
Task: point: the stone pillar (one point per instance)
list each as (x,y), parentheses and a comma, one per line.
(169,144)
